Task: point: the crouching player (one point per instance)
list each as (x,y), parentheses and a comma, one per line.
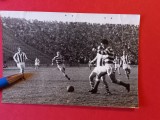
(60,64)
(108,68)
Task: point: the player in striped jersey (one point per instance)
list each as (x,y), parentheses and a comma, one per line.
(20,58)
(125,64)
(60,64)
(99,62)
(108,68)
(117,62)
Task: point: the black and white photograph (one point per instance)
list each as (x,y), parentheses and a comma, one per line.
(80,59)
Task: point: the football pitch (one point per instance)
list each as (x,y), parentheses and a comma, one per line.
(49,86)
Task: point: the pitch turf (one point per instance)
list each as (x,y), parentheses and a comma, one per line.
(48,86)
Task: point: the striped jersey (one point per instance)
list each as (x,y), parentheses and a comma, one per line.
(100,50)
(108,55)
(58,59)
(20,57)
(125,59)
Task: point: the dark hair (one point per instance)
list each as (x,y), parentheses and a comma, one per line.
(104,41)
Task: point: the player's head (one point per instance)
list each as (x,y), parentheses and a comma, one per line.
(58,53)
(104,43)
(19,49)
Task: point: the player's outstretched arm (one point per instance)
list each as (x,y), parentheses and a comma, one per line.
(53,60)
(92,61)
(25,56)
(14,58)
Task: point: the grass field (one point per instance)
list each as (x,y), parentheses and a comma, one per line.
(48,86)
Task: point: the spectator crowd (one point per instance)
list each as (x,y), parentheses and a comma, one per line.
(74,40)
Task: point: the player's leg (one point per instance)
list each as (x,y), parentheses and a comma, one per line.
(91,80)
(62,69)
(38,66)
(115,67)
(89,65)
(119,70)
(97,81)
(116,81)
(124,68)
(22,66)
(128,72)
(103,78)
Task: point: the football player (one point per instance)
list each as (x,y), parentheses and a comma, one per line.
(60,64)
(37,63)
(117,62)
(20,59)
(108,68)
(125,64)
(99,62)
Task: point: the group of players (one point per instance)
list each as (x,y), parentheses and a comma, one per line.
(106,63)
(20,58)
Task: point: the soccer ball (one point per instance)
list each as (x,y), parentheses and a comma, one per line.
(70,88)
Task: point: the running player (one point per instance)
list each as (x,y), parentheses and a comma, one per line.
(60,64)
(20,58)
(37,63)
(117,62)
(108,68)
(99,62)
(125,64)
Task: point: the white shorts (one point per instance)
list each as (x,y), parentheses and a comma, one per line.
(117,66)
(126,66)
(37,64)
(102,69)
(61,67)
(21,65)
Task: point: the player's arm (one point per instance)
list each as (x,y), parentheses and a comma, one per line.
(53,60)
(14,58)
(92,61)
(25,56)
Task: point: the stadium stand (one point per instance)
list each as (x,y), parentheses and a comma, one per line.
(74,39)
